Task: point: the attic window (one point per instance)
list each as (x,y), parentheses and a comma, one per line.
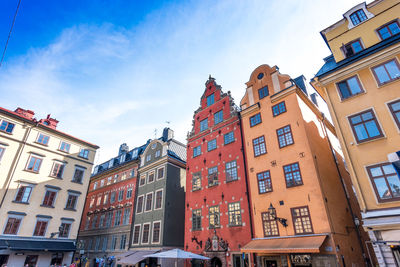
(260,75)
(358,17)
(352,48)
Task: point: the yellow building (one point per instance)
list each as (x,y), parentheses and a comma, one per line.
(44,175)
(360,82)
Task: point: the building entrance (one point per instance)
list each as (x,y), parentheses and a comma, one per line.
(271,263)
(216,262)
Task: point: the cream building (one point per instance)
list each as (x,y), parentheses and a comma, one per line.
(44,175)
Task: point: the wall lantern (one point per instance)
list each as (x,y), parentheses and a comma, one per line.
(272,212)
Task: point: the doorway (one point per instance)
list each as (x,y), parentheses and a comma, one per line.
(271,263)
(216,262)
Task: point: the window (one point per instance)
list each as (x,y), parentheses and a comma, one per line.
(158,153)
(102,183)
(160,173)
(117,218)
(212,176)
(23,193)
(212,144)
(122,242)
(113,242)
(40,228)
(142,180)
(136,234)
(129,192)
(127,215)
(394,108)
(145,234)
(58,170)
(385,181)
(352,48)
(285,137)
(97,244)
(278,108)
(389,30)
(358,17)
(102,220)
(149,201)
(229,138)
(259,146)
(269,225)
(263,92)
(204,125)
(156,232)
(196,181)
(112,198)
(148,157)
(98,201)
(196,220)
(314,98)
(105,243)
(292,175)
(65,227)
(150,178)
(49,198)
(365,126)
(12,225)
(133,173)
(109,219)
(34,163)
(139,207)
(84,153)
(196,151)
(235,214)
(64,146)
(264,182)
(56,259)
(95,185)
(2,149)
(387,72)
(78,175)
(91,202)
(6,126)
(231,171)
(71,201)
(218,117)
(43,139)
(159,197)
(301,220)
(349,87)
(31,260)
(210,100)
(121,195)
(254,120)
(213,217)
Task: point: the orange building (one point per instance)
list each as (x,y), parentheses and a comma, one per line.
(302,210)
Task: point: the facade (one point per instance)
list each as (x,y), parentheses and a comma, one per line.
(360,82)
(160,200)
(44,175)
(106,224)
(300,190)
(217,215)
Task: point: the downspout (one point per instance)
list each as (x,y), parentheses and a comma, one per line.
(15,163)
(344,189)
(247,184)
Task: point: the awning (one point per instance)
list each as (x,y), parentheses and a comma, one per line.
(134,256)
(37,245)
(303,244)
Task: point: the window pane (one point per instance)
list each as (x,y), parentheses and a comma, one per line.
(360,132)
(382,188)
(376,171)
(372,129)
(354,86)
(356,119)
(381,74)
(393,69)
(384,33)
(356,46)
(394,183)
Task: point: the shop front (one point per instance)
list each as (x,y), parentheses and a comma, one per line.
(290,251)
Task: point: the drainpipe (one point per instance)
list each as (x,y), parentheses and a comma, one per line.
(247,184)
(16,161)
(344,189)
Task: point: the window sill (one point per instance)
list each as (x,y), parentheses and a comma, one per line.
(67,152)
(296,185)
(231,181)
(195,190)
(77,182)
(20,202)
(36,142)
(45,206)
(235,225)
(59,178)
(1,131)
(350,97)
(370,140)
(286,145)
(31,171)
(380,85)
(213,185)
(71,209)
(83,157)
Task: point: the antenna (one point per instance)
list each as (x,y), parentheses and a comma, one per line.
(155,133)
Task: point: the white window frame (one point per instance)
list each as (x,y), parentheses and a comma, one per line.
(44,135)
(145,179)
(70,228)
(163,167)
(148,176)
(52,168)
(152,233)
(72,194)
(16,217)
(143,233)
(63,150)
(155,199)
(133,234)
(83,175)
(138,212)
(24,184)
(2,152)
(55,198)
(145,202)
(29,160)
(43,220)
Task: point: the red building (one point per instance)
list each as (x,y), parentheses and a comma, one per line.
(217,219)
(104,232)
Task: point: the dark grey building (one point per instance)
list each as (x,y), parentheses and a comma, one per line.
(160,197)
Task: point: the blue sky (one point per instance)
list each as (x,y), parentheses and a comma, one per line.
(114,71)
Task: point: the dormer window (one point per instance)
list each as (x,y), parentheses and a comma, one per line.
(388,30)
(358,17)
(352,48)
(210,100)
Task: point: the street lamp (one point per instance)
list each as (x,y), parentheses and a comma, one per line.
(272,212)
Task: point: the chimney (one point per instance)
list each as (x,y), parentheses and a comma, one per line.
(123,148)
(49,122)
(167,134)
(25,113)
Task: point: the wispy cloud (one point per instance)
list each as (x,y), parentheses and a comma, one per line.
(109,84)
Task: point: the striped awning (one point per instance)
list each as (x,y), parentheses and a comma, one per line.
(284,245)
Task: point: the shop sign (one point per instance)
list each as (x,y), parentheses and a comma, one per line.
(301,259)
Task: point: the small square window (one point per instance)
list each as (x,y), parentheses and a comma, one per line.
(264,182)
(254,120)
(34,163)
(49,198)
(358,17)
(229,138)
(259,147)
(58,170)
(263,92)
(388,30)
(292,175)
(349,87)
(352,48)
(301,220)
(203,125)
(23,193)
(285,137)
(212,144)
(218,117)
(278,109)
(6,126)
(386,181)
(43,139)
(210,100)
(78,175)
(84,153)
(387,72)
(196,151)
(365,126)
